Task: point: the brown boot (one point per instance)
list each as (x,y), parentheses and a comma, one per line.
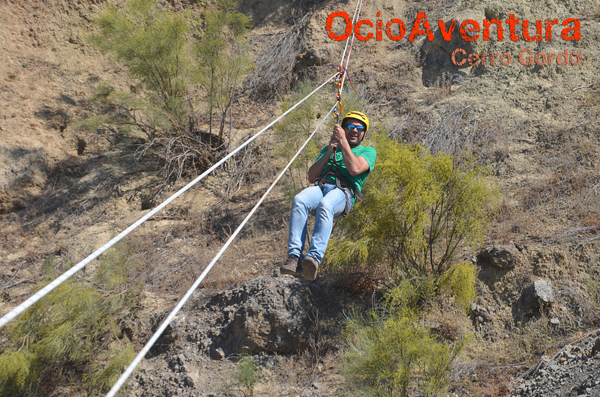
(291,266)
(310,266)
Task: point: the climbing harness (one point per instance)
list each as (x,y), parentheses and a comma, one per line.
(334,170)
(345,186)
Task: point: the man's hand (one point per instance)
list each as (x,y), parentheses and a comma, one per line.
(354,165)
(338,137)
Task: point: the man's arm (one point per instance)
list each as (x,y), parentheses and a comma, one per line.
(354,165)
(317,168)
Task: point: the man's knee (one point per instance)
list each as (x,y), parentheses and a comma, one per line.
(299,201)
(329,203)
(325,207)
(304,199)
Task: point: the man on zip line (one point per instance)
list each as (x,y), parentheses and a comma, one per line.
(339,172)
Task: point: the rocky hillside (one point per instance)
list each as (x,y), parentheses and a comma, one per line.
(64,192)
(573,371)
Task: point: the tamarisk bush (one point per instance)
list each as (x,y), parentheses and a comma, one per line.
(74,330)
(186,67)
(420,209)
(390,355)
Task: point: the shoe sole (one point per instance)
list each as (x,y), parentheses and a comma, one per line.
(283,270)
(310,270)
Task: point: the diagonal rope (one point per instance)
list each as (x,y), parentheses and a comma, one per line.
(113,391)
(44,291)
(357,15)
(354,19)
(353,34)
(342,69)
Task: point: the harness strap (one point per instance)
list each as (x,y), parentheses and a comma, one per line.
(340,178)
(347,192)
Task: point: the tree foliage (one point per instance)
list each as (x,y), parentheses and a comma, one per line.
(151,42)
(246,375)
(390,355)
(420,209)
(68,331)
(176,58)
(460,281)
(220,56)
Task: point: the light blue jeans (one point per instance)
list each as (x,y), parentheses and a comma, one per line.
(328,201)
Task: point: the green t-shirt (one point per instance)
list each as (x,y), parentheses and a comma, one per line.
(367,152)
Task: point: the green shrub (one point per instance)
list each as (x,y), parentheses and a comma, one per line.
(93,123)
(170,53)
(390,355)
(151,42)
(102,377)
(246,375)
(18,372)
(420,209)
(460,280)
(66,331)
(175,58)
(220,57)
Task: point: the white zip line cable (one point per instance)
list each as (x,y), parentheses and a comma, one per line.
(357,13)
(353,36)
(113,391)
(44,291)
(353,23)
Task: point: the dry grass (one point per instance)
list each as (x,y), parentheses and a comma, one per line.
(453,130)
(356,281)
(184,240)
(495,365)
(584,300)
(561,205)
(448,330)
(319,346)
(442,89)
(12,234)
(275,63)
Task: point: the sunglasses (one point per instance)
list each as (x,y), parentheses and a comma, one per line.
(359,128)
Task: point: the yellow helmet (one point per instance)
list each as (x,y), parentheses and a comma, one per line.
(358,116)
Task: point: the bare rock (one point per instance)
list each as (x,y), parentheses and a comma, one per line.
(596,347)
(502,256)
(312,57)
(436,60)
(217,354)
(480,313)
(265,315)
(540,292)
